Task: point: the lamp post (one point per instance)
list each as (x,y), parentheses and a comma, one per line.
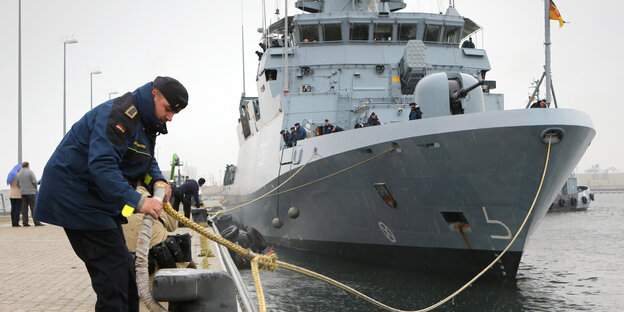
(19,84)
(95,72)
(110,94)
(65,43)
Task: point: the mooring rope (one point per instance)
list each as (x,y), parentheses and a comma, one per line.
(268,194)
(270,262)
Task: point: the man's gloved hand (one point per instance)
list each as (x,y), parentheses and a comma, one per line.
(152,206)
(167,188)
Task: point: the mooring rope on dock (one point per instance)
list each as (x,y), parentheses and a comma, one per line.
(270,262)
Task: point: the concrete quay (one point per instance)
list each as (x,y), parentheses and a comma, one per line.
(41,272)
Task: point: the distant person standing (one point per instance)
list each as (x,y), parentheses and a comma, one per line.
(301,133)
(287,138)
(188,188)
(27,182)
(373,120)
(539,104)
(327,127)
(415,112)
(293,137)
(468,43)
(16,201)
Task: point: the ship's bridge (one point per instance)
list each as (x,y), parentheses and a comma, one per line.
(375,27)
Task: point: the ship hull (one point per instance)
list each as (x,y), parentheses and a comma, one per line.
(460,191)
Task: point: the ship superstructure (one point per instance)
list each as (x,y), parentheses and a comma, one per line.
(444,192)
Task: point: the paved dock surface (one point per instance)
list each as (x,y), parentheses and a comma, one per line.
(40,271)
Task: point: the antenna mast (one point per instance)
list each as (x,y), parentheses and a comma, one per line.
(243,47)
(547,50)
(285,46)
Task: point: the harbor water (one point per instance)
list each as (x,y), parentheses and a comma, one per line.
(572,262)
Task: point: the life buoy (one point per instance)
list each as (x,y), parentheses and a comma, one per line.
(573,201)
(584,199)
(562,201)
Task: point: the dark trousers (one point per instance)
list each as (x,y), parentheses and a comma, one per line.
(178,198)
(110,267)
(16,207)
(28,200)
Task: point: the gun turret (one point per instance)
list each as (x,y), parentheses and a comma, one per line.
(461,93)
(455,98)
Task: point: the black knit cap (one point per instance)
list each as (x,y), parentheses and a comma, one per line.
(173,91)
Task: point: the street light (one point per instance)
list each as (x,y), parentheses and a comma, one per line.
(65,43)
(95,72)
(111,94)
(19,83)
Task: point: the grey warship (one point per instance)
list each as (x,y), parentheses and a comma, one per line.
(443,193)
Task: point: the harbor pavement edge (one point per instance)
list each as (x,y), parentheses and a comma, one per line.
(41,272)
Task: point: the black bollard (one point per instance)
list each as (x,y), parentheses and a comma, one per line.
(195,290)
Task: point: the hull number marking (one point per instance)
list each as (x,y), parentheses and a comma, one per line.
(488,220)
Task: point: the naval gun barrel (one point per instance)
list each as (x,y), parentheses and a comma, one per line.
(461,93)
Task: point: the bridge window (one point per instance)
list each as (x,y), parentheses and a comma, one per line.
(432,33)
(451,34)
(271,74)
(407,32)
(359,32)
(332,32)
(383,32)
(308,33)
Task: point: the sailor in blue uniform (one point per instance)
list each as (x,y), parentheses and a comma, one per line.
(91,178)
(336,128)
(293,137)
(415,112)
(327,127)
(373,120)
(189,188)
(301,132)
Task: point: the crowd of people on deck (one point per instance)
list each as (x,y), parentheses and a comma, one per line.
(298,133)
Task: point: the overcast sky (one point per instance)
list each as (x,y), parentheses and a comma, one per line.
(199,43)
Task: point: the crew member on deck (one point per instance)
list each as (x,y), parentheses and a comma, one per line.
(293,136)
(327,127)
(468,43)
(373,120)
(301,132)
(415,112)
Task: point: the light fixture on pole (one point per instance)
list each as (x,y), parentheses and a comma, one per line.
(19,83)
(110,94)
(95,72)
(65,43)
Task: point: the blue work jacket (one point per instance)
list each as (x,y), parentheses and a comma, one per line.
(87,181)
(301,133)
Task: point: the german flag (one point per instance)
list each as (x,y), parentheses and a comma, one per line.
(555,15)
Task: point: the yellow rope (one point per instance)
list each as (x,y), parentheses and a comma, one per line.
(337,172)
(271,262)
(268,194)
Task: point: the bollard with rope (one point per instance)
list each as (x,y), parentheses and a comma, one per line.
(270,262)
